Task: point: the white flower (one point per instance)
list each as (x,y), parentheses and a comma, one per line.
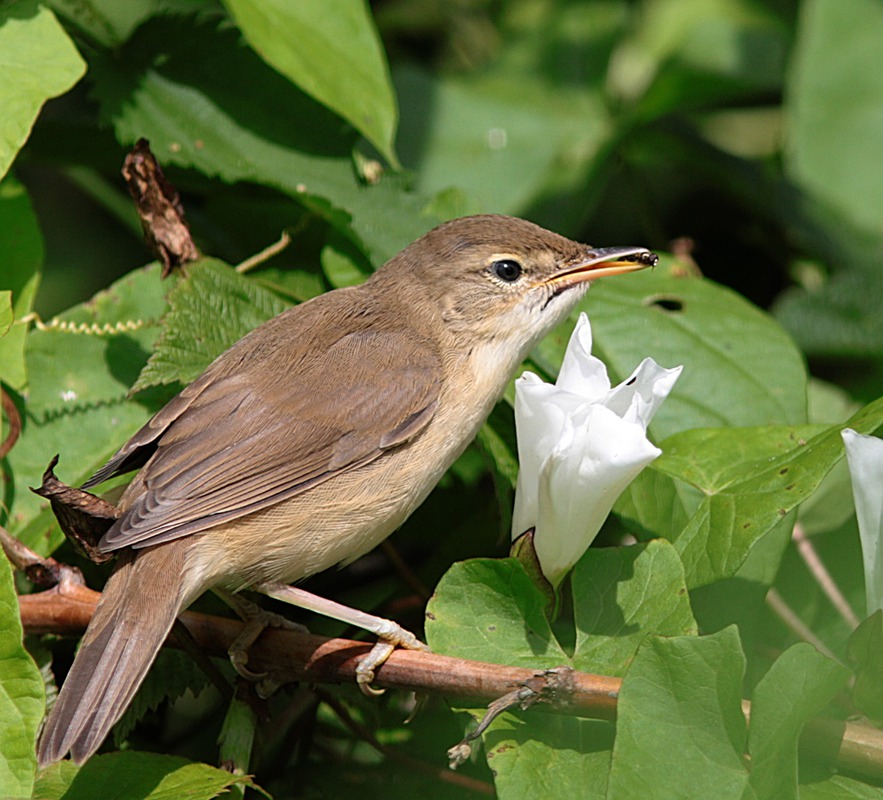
(580,443)
(864,455)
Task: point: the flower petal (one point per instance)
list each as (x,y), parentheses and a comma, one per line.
(580,481)
(864,455)
(638,398)
(582,373)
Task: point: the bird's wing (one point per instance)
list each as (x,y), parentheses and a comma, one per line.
(236,445)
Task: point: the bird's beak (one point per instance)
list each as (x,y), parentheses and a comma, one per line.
(601,262)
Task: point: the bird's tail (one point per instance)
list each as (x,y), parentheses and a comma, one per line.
(134,615)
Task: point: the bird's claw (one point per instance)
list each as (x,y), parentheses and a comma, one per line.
(389,640)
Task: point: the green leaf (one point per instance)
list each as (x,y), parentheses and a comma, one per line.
(865,653)
(499,138)
(834,105)
(747,479)
(37,61)
(680,730)
(333,53)
(21,697)
(134,776)
(542,756)
(797,687)
(21,256)
(489,610)
(210,308)
(172,674)
(622,594)
(81,365)
(6,315)
(740,366)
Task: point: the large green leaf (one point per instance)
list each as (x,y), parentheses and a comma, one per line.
(680,729)
(333,53)
(733,486)
(499,138)
(21,697)
(37,61)
(834,104)
(21,256)
(678,55)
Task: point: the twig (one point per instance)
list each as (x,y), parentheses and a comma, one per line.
(787,615)
(266,254)
(820,572)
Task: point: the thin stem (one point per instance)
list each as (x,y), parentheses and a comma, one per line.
(820,572)
(787,614)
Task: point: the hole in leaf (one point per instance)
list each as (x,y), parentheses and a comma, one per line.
(665,302)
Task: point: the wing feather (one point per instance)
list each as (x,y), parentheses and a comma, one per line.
(278,424)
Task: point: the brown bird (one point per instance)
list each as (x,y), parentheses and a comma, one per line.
(313,438)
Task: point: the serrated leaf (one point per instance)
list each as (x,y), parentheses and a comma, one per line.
(21,697)
(134,776)
(81,365)
(332,52)
(37,61)
(740,366)
(680,730)
(798,686)
(210,308)
(21,256)
(172,674)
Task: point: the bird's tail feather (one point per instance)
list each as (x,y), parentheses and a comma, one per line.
(135,614)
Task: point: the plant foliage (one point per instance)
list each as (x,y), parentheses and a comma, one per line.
(742,136)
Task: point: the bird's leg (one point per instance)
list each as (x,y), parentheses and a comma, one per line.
(256,619)
(390,634)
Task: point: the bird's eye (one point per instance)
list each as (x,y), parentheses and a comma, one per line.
(507,270)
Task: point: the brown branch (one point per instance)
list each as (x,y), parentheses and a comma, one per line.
(291,655)
(295,656)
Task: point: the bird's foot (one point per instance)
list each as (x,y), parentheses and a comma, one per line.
(390,636)
(256,620)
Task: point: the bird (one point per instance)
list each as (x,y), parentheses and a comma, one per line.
(313,438)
